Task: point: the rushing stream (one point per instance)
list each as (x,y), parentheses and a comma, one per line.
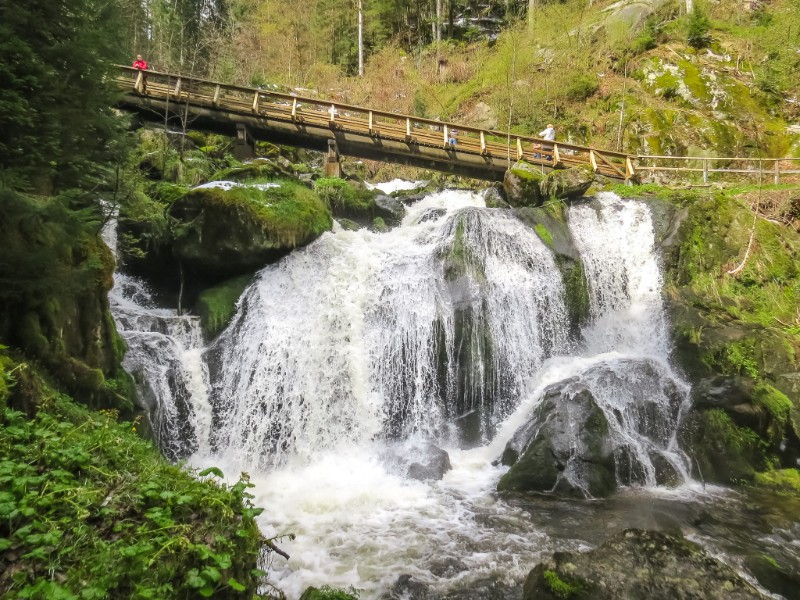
(352,358)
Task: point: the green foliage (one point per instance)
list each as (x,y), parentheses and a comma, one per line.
(698,27)
(582,87)
(90,510)
(328,593)
(559,587)
(544,234)
(55,111)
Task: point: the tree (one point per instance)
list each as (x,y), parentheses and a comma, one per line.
(56,102)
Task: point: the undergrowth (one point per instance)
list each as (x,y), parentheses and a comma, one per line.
(90,510)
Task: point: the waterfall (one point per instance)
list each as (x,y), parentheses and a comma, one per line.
(431,329)
(164,356)
(348,356)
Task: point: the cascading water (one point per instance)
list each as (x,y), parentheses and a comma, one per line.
(164,356)
(363,335)
(348,357)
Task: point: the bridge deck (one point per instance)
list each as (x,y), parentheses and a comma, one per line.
(358,131)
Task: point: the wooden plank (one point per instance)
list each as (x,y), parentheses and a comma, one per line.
(519,149)
(255,102)
(592,160)
(612,166)
(556,156)
(629,171)
(483,143)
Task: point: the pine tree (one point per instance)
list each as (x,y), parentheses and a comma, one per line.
(56,115)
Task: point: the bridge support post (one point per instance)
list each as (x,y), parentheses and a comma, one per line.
(244,148)
(332,166)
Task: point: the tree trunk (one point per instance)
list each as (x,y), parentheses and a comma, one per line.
(360,39)
(531,13)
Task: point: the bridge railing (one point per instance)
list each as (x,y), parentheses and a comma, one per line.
(452,137)
(763,169)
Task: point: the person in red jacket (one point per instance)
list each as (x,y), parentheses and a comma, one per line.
(141,64)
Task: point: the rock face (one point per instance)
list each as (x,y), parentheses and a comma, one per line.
(727,339)
(565,447)
(550,224)
(56,274)
(637,564)
(223,232)
(526,185)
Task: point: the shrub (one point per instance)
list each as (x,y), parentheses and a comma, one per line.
(699,25)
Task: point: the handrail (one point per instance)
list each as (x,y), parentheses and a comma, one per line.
(539,150)
(707,167)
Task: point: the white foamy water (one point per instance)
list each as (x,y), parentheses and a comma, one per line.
(348,357)
(396,185)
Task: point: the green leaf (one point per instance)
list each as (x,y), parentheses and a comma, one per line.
(207,591)
(215,471)
(236,585)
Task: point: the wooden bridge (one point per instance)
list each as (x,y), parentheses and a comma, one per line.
(354,131)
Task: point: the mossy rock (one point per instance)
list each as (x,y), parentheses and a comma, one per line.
(56,273)
(637,564)
(720,450)
(522,185)
(216,306)
(567,183)
(328,593)
(549,223)
(567,431)
(222,232)
(352,201)
(782,480)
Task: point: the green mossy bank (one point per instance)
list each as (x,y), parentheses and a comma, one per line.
(90,510)
(55,274)
(732,283)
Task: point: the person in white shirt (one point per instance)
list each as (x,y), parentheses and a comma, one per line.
(549,133)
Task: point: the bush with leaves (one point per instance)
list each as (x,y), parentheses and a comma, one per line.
(90,510)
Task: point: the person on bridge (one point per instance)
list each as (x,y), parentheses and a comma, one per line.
(141,64)
(549,134)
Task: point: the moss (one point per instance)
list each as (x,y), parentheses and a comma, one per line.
(379,225)
(560,587)
(721,451)
(785,480)
(576,292)
(345,200)
(544,234)
(216,306)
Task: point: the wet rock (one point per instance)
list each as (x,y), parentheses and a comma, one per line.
(490,588)
(521,184)
(432,214)
(637,564)
(494,197)
(567,183)
(407,588)
(564,449)
(774,576)
(390,209)
(433,468)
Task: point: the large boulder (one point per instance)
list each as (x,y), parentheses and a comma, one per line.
(221,232)
(637,564)
(522,184)
(564,449)
(567,183)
